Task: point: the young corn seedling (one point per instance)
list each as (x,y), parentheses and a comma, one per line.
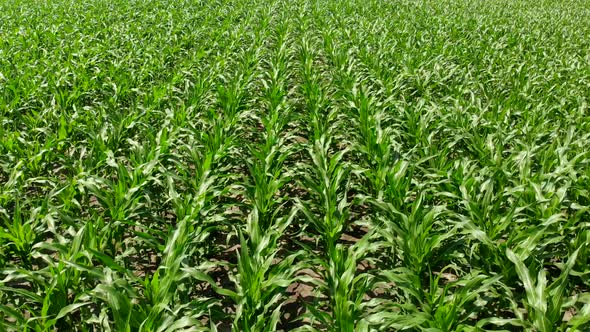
(445,306)
(316,96)
(544,302)
(374,141)
(19,234)
(57,291)
(344,287)
(262,276)
(417,234)
(121,199)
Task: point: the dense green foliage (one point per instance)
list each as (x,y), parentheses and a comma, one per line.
(353,165)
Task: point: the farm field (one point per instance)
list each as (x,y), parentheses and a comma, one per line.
(308,165)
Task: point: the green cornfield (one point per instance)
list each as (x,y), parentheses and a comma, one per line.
(295,165)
